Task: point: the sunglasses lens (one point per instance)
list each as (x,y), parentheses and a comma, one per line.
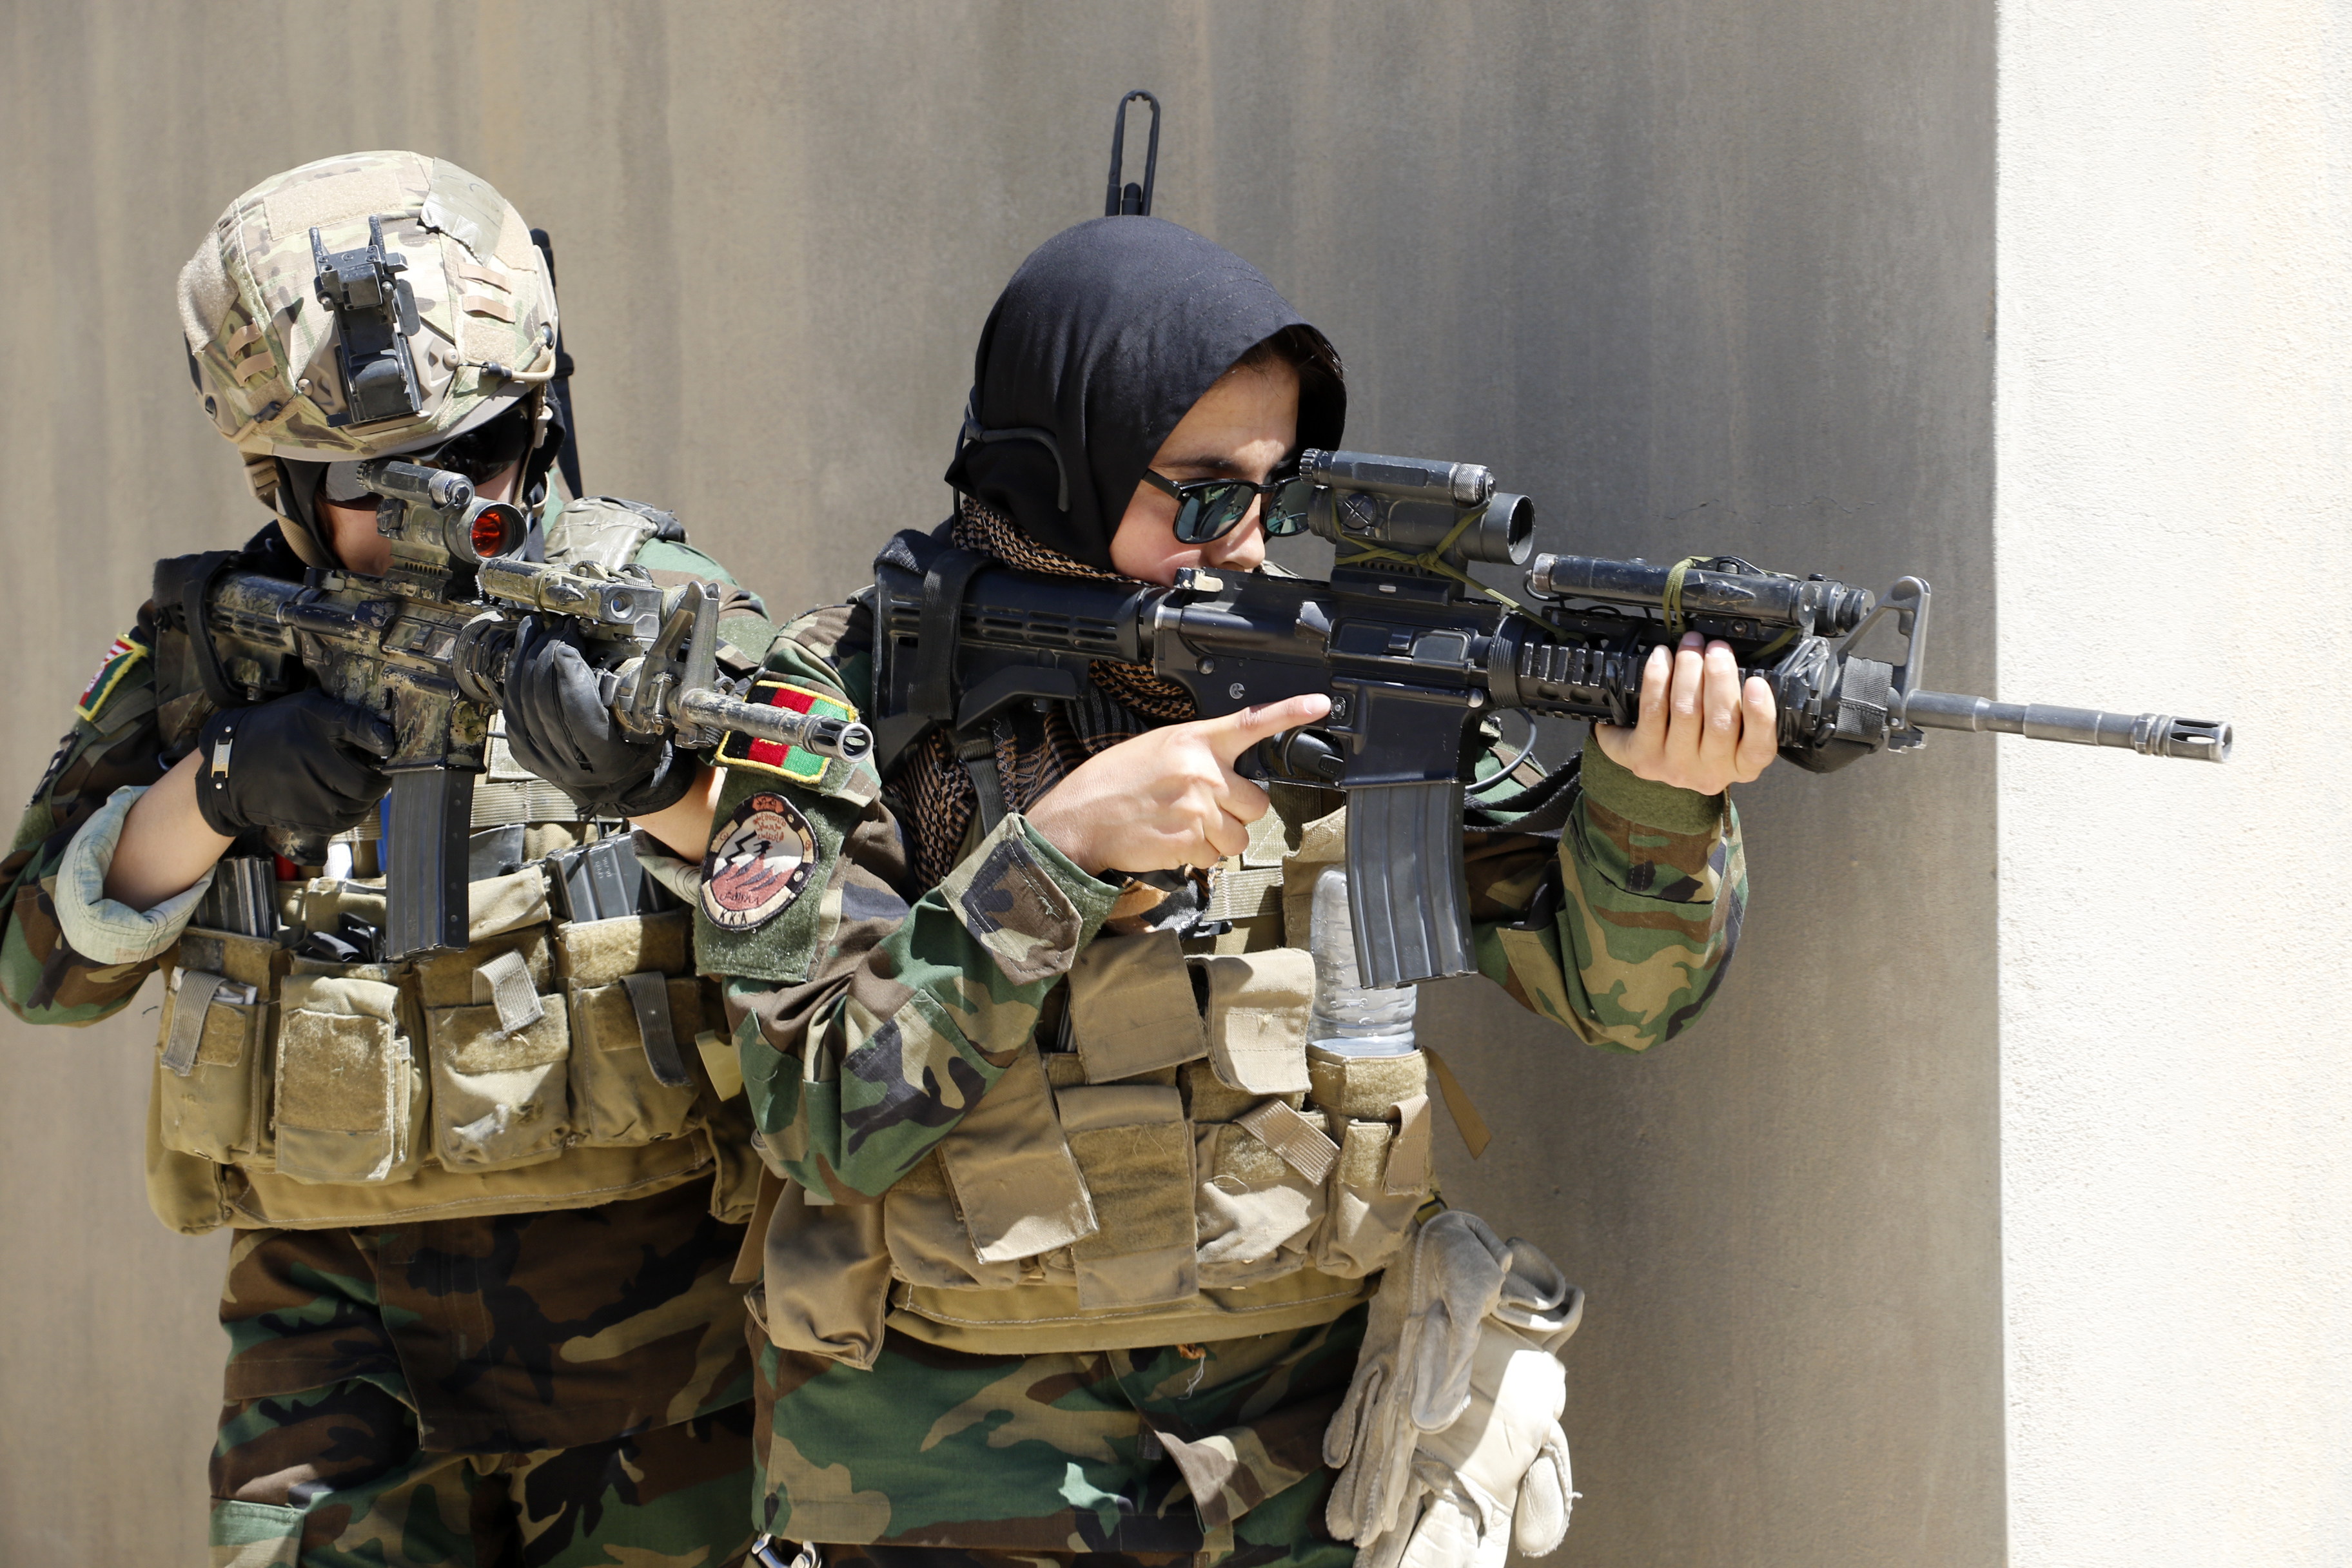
(1188,522)
(1210,510)
(1285,510)
(1227,505)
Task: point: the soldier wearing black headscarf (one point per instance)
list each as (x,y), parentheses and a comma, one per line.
(1070,1232)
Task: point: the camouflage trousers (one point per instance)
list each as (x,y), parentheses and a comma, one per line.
(937,1458)
(334,1479)
(552,1388)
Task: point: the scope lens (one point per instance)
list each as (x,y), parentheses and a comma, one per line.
(497,528)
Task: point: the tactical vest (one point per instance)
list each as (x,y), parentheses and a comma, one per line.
(554,1063)
(1176,1164)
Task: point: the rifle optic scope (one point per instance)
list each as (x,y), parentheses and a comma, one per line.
(1412,505)
(472,530)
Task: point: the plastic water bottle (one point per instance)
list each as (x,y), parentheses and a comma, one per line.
(1349,1019)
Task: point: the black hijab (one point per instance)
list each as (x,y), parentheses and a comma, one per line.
(1102,342)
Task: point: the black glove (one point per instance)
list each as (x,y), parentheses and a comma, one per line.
(558,728)
(307,764)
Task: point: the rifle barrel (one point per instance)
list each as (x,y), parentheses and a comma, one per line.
(825,737)
(2149,734)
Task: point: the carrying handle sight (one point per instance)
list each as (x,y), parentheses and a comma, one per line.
(1134,200)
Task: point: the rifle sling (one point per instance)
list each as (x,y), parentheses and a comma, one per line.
(977,751)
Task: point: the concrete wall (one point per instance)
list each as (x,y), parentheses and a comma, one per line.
(1698,277)
(2175,449)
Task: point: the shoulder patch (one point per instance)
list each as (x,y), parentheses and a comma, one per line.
(761,860)
(797,764)
(122,656)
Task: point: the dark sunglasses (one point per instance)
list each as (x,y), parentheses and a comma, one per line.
(1208,510)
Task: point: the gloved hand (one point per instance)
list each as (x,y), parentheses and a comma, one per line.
(559,727)
(1451,1428)
(306,764)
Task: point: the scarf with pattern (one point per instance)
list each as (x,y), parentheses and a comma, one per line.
(1034,751)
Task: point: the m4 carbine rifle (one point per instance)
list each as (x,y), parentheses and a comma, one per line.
(1413,654)
(428,644)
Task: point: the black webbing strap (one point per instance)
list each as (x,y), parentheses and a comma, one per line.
(977,751)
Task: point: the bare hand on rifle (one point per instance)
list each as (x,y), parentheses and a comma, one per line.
(1701,729)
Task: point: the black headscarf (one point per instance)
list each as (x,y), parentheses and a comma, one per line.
(1103,338)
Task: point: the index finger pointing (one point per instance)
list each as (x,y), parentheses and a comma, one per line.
(1236,732)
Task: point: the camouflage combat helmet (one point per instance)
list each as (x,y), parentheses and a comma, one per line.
(362,305)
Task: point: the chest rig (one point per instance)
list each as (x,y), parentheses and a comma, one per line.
(566,1058)
(1166,1159)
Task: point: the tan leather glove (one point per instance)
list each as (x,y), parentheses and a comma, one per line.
(1451,1430)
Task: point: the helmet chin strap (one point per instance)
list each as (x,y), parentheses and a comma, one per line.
(297,485)
(547,414)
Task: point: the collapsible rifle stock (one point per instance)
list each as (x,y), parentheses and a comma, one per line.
(1414,654)
(428,646)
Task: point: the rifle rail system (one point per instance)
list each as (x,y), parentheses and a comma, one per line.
(428,646)
(1415,653)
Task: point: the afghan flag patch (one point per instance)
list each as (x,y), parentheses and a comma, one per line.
(795,762)
(122,656)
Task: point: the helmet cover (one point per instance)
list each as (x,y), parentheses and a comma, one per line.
(401,273)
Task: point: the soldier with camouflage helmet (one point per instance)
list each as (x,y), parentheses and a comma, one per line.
(478,1305)
(1069,1235)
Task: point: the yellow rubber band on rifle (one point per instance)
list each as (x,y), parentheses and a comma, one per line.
(1673,604)
(1676,624)
(1433,560)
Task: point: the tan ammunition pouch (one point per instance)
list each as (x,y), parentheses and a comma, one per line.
(1190,1170)
(511,1077)
(516,1075)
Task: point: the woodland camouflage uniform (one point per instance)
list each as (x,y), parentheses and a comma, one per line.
(873,1013)
(529,1360)
(561,1380)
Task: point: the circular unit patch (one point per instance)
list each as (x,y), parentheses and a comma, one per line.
(759,863)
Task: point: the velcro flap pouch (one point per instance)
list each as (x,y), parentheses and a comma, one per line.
(345,1082)
(213,1050)
(928,1242)
(634,1004)
(1365,1088)
(1015,1176)
(598,953)
(1261,1191)
(498,1071)
(1257,1017)
(1136,1149)
(496,905)
(1132,1008)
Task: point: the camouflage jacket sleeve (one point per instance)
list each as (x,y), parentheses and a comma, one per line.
(113,743)
(1622,933)
(745,629)
(868,1020)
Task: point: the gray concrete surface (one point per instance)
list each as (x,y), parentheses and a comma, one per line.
(1698,277)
